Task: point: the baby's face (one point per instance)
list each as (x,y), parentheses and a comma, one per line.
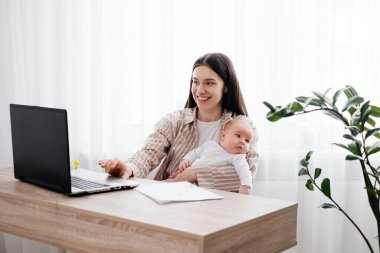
(236,138)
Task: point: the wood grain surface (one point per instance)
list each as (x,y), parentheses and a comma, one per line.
(127,221)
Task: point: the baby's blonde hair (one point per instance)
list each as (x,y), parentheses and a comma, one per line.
(240,117)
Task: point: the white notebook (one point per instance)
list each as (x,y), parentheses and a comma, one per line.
(175,192)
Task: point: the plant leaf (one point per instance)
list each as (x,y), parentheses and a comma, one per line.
(341,145)
(374,148)
(301,99)
(308,155)
(375,111)
(307,101)
(295,107)
(353,148)
(334,114)
(352,101)
(273,117)
(349,91)
(354,130)
(371,132)
(336,96)
(324,94)
(353,157)
(318,95)
(271,108)
(276,115)
(325,187)
(317,173)
(322,97)
(355,115)
(309,185)
(350,147)
(371,122)
(286,112)
(327,205)
(304,162)
(352,138)
(312,101)
(352,110)
(365,112)
(364,107)
(316,102)
(302,172)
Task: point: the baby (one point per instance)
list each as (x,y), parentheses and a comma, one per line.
(235,140)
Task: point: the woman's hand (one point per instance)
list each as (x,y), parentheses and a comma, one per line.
(188,175)
(245,189)
(115,168)
(184,164)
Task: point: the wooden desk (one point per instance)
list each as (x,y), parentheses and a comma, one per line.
(127,221)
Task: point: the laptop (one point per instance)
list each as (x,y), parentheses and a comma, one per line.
(41,156)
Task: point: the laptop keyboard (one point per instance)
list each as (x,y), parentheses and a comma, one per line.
(84,184)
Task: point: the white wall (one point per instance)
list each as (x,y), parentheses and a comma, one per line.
(5,94)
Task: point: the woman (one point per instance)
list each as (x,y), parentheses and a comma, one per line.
(214,98)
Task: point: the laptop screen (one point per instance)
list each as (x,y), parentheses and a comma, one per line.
(41,146)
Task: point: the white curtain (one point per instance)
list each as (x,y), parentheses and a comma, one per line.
(117,66)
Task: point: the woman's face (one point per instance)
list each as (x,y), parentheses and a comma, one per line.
(207,89)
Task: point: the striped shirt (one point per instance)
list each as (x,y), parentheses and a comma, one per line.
(173,137)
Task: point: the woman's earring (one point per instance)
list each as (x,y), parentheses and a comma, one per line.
(225,90)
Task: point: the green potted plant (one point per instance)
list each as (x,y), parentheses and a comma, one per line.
(357,116)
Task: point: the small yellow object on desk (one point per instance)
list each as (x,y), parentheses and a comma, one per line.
(76,164)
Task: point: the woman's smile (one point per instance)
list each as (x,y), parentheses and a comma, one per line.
(203,99)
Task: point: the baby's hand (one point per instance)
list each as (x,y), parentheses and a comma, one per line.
(245,189)
(184,164)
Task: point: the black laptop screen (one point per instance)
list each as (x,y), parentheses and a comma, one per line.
(41,146)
